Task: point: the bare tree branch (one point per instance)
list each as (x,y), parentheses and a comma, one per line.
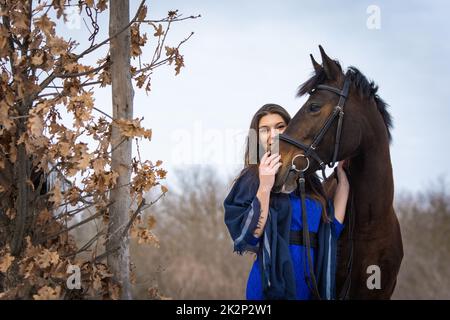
(155,65)
(80,74)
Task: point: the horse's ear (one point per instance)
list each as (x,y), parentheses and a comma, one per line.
(331,68)
(317,67)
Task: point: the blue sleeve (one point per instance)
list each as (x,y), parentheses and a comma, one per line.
(242,211)
(337,227)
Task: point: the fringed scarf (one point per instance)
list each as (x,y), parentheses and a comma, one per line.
(242,211)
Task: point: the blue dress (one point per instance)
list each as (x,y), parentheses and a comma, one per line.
(298,252)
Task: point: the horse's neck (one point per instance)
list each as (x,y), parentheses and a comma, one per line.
(372,184)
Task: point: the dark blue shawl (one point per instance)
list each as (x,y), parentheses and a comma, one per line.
(242,211)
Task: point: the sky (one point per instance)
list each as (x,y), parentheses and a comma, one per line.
(244,54)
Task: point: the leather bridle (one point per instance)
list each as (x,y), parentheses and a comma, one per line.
(338,113)
(310,151)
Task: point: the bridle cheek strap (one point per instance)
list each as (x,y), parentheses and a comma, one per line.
(338,113)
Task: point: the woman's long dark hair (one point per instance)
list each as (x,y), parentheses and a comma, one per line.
(266,109)
(313,185)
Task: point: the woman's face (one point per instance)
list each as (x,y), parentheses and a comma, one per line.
(269,127)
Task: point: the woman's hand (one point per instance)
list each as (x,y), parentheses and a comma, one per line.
(267,170)
(342,176)
(342,191)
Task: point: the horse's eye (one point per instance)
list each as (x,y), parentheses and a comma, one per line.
(314,107)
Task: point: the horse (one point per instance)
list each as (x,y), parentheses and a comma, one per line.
(370,248)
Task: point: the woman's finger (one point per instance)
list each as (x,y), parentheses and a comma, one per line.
(273,155)
(264,157)
(273,160)
(345,163)
(275,168)
(274,164)
(269,158)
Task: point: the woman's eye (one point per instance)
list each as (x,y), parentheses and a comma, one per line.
(314,107)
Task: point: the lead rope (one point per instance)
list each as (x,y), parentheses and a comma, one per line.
(306,241)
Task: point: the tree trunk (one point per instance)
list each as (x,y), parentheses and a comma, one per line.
(122,100)
(22,206)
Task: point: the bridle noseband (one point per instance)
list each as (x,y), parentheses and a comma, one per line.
(338,113)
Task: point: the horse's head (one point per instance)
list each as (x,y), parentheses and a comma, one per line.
(317,110)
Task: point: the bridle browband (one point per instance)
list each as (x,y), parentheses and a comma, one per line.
(310,150)
(338,113)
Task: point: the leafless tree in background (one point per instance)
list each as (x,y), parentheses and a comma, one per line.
(425,223)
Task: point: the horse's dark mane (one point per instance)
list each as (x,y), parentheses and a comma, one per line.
(365,88)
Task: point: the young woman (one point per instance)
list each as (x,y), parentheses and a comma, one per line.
(270,224)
